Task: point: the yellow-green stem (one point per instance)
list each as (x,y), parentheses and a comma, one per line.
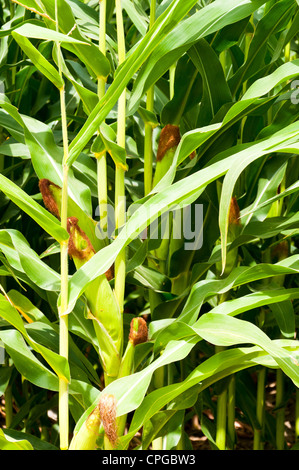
(260,410)
(148,158)
(280,414)
(120,262)
(102,160)
(222,58)
(231,401)
(221,421)
(159,375)
(63,406)
(63,318)
(148,132)
(248,37)
(8,406)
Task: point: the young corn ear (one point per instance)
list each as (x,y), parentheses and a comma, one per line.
(101,301)
(107,407)
(86,437)
(169,140)
(138,334)
(138,331)
(80,248)
(234,214)
(234,228)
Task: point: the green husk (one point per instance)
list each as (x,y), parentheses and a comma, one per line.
(102,304)
(86,438)
(138,334)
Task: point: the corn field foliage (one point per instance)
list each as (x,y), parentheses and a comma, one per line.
(149,239)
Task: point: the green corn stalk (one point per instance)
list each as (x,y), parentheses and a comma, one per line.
(226,400)
(120,262)
(148,131)
(281,252)
(260,410)
(63,318)
(102,159)
(168,142)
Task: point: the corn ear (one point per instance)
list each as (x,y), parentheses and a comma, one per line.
(86,438)
(138,334)
(138,331)
(168,142)
(101,301)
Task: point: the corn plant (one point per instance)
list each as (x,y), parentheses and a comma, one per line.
(149,224)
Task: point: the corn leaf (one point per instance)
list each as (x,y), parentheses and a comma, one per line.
(42,217)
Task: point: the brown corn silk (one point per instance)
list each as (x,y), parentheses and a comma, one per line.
(234,212)
(79,246)
(45,187)
(138,331)
(107,407)
(170,137)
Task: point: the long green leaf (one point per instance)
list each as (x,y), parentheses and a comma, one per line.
(204,22)
(203,290)
(46,220)
(276,19)
(41,63)
(57,362)
(210,371)
(25,361)
(283,141)
(224,330)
